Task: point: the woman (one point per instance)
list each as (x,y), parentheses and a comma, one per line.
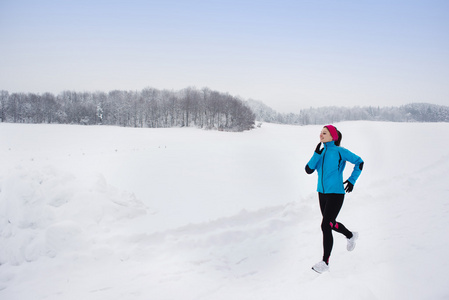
(330,162)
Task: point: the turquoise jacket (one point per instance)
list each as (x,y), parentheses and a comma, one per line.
(330,165)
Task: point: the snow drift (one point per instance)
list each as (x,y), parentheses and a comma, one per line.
(122,213)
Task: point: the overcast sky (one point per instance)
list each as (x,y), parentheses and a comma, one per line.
(290,54)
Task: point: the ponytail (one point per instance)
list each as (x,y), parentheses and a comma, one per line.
(340,136)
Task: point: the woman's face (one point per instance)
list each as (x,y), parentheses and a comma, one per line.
(325,135)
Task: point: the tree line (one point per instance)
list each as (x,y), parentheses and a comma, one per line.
(149,107)
(205,108)
(414,112)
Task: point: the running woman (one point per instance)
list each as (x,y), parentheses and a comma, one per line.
(330,162)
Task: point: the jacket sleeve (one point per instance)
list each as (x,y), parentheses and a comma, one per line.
(313,163)
(354,159)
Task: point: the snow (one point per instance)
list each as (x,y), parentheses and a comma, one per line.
(122,213)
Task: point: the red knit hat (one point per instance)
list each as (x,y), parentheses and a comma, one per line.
(333,132)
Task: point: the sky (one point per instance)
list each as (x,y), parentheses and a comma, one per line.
(289,54)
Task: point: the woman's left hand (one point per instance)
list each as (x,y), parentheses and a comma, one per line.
(349,186)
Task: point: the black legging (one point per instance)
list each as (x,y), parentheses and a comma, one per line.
(330,205)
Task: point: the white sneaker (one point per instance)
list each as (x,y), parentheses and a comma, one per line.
(320,267)
(351,241)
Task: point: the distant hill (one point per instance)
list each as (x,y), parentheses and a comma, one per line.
(414,112)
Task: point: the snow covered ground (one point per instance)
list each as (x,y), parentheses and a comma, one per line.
(122,213)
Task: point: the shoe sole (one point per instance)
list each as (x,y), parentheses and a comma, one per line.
(319,271)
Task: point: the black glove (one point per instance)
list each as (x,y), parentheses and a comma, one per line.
(317,149)
(349,187)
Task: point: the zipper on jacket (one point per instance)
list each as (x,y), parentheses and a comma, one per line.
(322,170)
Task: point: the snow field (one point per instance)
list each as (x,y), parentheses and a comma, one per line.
(122,213)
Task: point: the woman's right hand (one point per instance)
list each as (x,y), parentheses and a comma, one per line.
(317,149)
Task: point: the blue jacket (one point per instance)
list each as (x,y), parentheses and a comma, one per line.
(330,165)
